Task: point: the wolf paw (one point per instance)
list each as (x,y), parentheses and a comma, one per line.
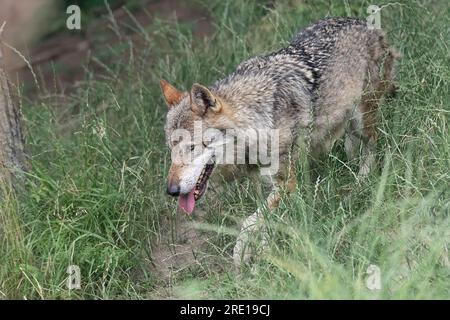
(246,248)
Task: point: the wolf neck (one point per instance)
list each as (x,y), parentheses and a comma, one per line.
(262,88)
(249,97)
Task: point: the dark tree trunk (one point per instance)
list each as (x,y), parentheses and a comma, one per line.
(12,155)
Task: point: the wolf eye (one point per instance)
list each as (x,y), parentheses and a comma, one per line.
(192,147)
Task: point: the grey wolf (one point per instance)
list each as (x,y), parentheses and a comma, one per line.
(325,85)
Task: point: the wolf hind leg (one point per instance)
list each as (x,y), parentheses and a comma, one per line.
(368,160)
(352,145)
(367,133)
(356,147)
(360,143)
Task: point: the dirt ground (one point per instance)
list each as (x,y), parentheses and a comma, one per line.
(59,60)
(23,26)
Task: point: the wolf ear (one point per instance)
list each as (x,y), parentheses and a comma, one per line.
(171,94)
(203,100)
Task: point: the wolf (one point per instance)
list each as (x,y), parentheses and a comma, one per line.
(327,84)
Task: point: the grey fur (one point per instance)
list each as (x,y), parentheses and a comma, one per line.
(326,84)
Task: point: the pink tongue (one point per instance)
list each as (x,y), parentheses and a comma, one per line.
(187,202)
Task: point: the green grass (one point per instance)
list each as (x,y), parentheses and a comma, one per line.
(95,194)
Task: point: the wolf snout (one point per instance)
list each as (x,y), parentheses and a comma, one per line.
(173,190)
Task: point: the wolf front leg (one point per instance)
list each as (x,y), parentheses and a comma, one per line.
(253,237)
(245,248)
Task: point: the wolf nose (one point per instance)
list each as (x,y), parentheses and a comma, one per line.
(173,190)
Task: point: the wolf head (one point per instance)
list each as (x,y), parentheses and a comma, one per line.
(194,129)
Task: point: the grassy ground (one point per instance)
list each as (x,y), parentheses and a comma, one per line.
(96,192)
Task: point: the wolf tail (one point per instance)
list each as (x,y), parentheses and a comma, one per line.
(385,57)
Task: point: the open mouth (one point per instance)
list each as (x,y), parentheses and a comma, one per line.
(187,201)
